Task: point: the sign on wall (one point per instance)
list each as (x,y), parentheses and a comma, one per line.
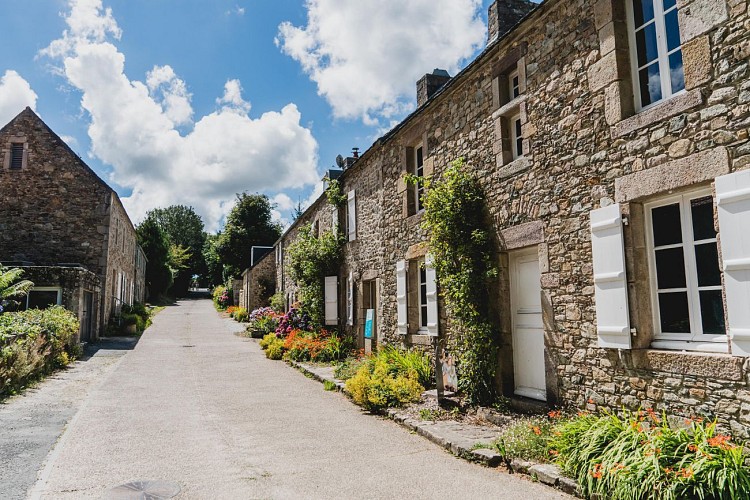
(369,318)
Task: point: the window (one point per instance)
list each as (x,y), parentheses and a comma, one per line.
(685,273)
(514,85)
(16,156)
(43,297)
(516,138)
(419,173)
(422,296)
(656,55)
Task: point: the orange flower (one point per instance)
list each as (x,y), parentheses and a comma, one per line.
(583,413)
(652,414)
(720,441)
(554,453)
(617,467)
(596,473)
(535,429)
(686,473)
(692,447)
(554,414)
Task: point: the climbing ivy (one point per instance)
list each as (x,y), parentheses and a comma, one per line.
(456,219)
(311,260)
(334,194)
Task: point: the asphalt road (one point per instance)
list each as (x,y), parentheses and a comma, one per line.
(202,410)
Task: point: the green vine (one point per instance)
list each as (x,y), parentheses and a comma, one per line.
(311,260)
(334,194)
(456,218)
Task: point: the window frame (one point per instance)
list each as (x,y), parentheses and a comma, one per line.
(663,54)
(419,174)
(516,138)
(45,289)
(514,88)
(422,297)
(695,339)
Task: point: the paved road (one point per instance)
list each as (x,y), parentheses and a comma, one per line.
(196,405)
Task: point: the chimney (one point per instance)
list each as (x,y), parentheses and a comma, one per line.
(504,14)
(429,84)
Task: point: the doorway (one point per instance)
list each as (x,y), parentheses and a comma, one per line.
(527,325)
(87,316)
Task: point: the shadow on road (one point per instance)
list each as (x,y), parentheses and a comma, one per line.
(111,345)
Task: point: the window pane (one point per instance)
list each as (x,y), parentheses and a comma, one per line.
(712,312)
(707,263)
(702,211)
(420,161)
(676,72)
(645,41)
(673,30)
(424,316)
(667,227)
(643,11)
(42,299)
(649,80)
(670,268)
(668,4)
(673,309)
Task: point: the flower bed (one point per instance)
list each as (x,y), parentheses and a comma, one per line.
(262,321)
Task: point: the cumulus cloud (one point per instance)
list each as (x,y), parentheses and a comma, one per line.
(134,128)
(15,95)
(366,56)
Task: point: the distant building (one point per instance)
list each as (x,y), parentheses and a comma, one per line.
(66,227)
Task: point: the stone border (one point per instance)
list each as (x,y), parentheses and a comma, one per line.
(548,474)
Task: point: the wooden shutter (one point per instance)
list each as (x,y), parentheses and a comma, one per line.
(335,220)
(351,215)
(733,202)
(331,299)
(350,300)
(432,297)
(610,282)
(402,322)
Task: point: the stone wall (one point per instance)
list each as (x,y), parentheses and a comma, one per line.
(259,283)
(584,147)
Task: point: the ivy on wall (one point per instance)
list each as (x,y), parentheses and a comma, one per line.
(311,259)
(334,194)
(456,219)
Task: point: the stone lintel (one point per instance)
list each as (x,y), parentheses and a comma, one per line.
(369,275)
(416,251)
(419,339)
(522,235)
(708,365)
(687,171)
(667,109)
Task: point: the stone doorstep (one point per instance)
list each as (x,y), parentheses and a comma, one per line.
(449,437)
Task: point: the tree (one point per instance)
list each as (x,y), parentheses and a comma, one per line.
(214,274)
(184,229)
(12,286)
(155,245)
(248,224)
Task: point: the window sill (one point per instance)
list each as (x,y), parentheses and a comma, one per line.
(711,365)
(684,345)
(515,167)
(671,107)
(509,107)
(419,338)
(415,219)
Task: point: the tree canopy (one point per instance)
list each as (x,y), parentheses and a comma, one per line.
(155,245)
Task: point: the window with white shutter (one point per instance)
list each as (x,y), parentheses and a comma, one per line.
(331,293)
(733,203)
(350,300)
(431,296)
(610,282)
(351,216)
(402,321)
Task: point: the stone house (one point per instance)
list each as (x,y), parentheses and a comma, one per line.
(66,227)
(258,280)
(611,139)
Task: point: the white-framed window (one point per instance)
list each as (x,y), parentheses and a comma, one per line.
(419,174)
(422,296)
(685,275)
(655,51)
(43,297)
(514,85)
(516,139)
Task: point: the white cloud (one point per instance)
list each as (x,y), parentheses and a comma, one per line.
(238,11)
(133,128)
(15,95)
(366,56)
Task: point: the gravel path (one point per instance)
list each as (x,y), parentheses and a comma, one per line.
(196,405)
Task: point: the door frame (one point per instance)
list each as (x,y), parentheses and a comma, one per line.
(513,257)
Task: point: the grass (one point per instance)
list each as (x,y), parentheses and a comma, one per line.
(329,385)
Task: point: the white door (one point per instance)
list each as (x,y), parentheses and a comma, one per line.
(528,329)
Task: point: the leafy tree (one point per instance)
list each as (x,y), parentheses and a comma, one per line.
(184,228)
(155,245)
(248,224)
(12,286)
(214,274)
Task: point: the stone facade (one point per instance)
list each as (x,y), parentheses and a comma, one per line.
(582,146)
(56,211)
(259,283)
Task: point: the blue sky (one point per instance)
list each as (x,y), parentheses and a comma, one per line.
(149,92)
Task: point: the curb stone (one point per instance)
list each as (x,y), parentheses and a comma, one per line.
(548,474)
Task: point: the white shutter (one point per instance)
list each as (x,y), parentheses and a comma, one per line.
(402,322)
(335,219)
(432,297)
(733,202)
(350,300)
(610,282)
(331,294)
(351,215)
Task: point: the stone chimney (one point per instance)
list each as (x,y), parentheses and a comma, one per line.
(504,14)
(430,83)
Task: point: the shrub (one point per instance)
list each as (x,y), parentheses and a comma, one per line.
(322,346)
(278,302)
(261,322)
(275,349)
(409,361)
(136,314)
(349,367)
(294,319)
(34,343)
(385,380)
(267,340)
(240,314)
(231,310)
(526,439)
(222,297)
